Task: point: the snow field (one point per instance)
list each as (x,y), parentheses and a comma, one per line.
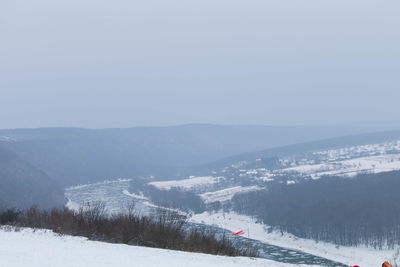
(43,248)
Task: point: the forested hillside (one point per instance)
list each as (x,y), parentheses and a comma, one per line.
(364,210)
(23,185)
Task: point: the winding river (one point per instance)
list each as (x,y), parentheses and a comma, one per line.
(116,197)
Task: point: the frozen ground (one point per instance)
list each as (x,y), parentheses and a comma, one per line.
(43,248)
(362,256)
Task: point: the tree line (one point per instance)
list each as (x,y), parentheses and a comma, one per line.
(364,210)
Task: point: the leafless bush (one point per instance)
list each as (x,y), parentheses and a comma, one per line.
(163,229)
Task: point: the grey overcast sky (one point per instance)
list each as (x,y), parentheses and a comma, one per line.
(122,63)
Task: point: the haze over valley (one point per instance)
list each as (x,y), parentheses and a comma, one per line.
(199,133)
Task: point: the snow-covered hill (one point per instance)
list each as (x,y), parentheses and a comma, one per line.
(43,248)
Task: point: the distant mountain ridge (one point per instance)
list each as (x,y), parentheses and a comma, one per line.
(73,155)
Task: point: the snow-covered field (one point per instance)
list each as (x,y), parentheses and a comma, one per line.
(135,196)
(226,194)
(362,256)
(43,248)
(348,167)
(186,184)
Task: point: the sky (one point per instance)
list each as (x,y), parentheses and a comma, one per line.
(124,63)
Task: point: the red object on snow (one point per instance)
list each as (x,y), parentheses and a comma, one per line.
(239,233)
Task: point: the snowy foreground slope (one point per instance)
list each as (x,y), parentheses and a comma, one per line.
(42,248)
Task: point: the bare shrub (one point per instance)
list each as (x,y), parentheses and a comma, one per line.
(163,229)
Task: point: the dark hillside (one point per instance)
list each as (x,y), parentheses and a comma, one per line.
(22,185)
(364,210)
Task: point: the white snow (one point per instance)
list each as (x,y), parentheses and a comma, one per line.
(43,248)
(226,194)
(71,205)
(126,192)
(99,183)
(361,150)
(350,167)
(362,256)
(7,139)
(186,184)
